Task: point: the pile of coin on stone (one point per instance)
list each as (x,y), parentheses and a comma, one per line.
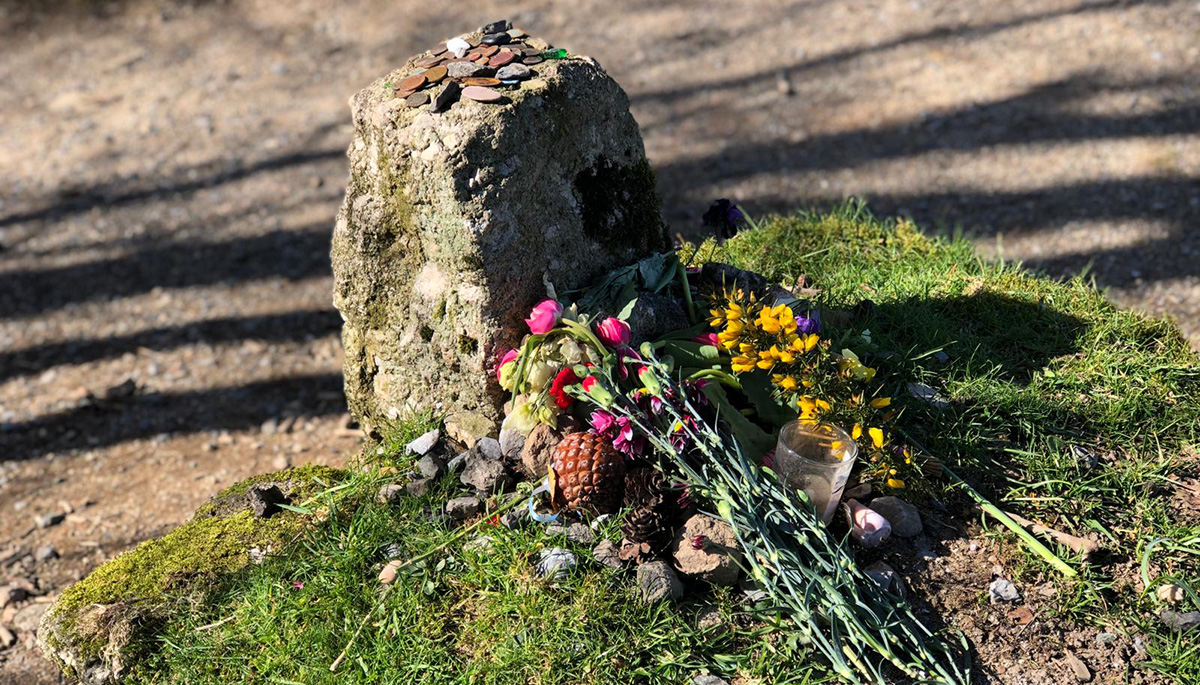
(478,69)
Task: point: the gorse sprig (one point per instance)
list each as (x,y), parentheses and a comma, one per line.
(812,376)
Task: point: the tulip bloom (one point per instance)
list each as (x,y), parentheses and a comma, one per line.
(544,317)
(613,332)
(707,339)
(505,360)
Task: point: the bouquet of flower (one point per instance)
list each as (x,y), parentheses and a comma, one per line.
(701,406)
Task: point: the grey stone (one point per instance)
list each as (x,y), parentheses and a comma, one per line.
(927,394)
(1085,458)
(489,448)
(465,69)
(462,508)
(457,463)
(576,532)
(436,263)
(514,519)
(424,443)
(485,475)
(496,27)
(1082,673)
(1106,638)
(718,558)
(419,487)
(555,563)
(45,553)
(904,517)
(710,618)
(1180,622)
(265,499)
(1002,590)
(511,443)
(754,593)
(657,581)
(655,314)
(709,680)
(49,520)
(519,72)
(430,466)
(390,493)
(607,554)
(886,577)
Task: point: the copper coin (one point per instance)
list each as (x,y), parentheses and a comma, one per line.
(416,99)
(428,62)
(402,94)
(488,50)
(501,58)
(481,94)
(482,61)
(411,83)
(435,74)
(531,60)
(480,81)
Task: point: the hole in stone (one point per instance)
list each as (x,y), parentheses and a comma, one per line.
(617,202)
(426,333)
(467,344)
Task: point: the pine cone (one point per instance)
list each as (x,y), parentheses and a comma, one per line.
(587,474)
(648,517)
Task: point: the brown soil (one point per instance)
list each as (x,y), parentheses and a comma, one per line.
(170,171)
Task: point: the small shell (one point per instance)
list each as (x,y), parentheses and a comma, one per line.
(868,528)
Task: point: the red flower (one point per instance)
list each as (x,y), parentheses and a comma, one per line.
(699,542)
(562,380)
(588,383)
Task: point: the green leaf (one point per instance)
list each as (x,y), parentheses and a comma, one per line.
(762,395)
(753,440)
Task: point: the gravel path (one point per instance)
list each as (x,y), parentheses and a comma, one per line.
(169,173)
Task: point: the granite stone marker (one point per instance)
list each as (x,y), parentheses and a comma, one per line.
(459,212)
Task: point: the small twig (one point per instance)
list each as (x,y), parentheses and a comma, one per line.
(1076,544)
(215,624)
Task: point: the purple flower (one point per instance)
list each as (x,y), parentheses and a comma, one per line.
(806,325)
(723,217)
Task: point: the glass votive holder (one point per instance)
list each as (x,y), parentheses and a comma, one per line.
(816,458)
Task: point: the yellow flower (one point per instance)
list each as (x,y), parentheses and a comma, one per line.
(785,382)
(876,437)
(718,318)
(728,340)
(857,432)
(734,311)
(811,407)
(895,483)
(783,355)
(881,402)
(850,367)
(742,363)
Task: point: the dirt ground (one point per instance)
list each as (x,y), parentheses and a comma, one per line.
(169,174)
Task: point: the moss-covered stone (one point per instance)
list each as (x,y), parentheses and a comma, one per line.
(453,222)
(97,623)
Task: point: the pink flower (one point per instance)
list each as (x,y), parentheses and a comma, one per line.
(699,542)
(613,332)
(707,339)
(508,357)
(602,421)
(544,317)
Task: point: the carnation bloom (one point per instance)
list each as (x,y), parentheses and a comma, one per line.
(602,421)
(558,387)
(613,332)
(544,317)
(508,357)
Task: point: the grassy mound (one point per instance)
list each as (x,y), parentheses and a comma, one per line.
(1036,373)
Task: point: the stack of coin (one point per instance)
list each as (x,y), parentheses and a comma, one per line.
(478,66)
